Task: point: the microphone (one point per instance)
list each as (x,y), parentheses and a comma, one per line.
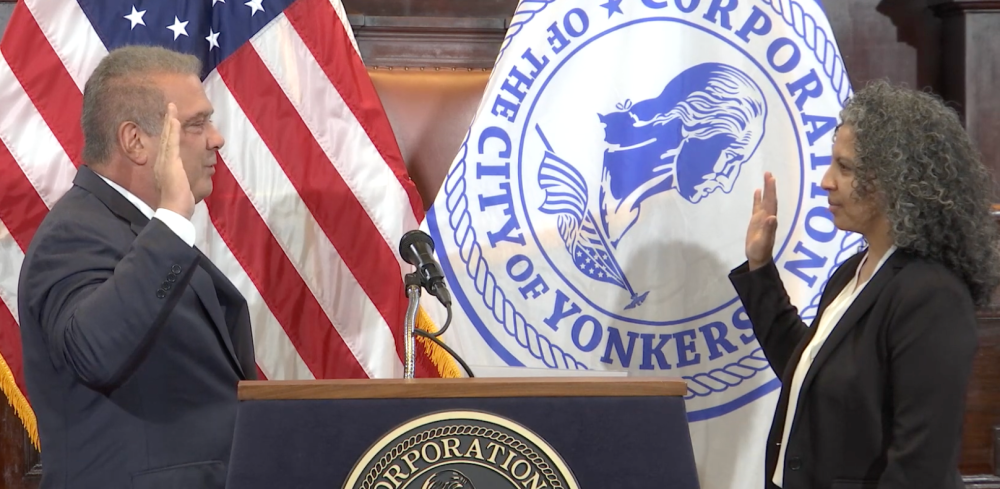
(417,249)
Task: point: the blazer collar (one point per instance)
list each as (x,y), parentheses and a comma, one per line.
(111,198)
(840,278)
(862,303)
(837,282)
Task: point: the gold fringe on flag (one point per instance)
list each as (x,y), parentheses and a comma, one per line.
(18,402)
(446,365)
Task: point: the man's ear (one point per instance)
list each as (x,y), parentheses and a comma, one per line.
(134,143)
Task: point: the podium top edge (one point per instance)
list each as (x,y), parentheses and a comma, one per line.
(464,388)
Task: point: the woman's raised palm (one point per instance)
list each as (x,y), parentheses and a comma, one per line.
(763,225)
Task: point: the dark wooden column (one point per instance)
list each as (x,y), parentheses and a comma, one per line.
(971,69)
(19,468)
(897,40)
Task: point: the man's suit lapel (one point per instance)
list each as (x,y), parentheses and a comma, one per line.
(852,316)
(220,280)
(235,319)
(201,283)
(204,288)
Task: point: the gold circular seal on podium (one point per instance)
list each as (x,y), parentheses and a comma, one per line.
(461,450)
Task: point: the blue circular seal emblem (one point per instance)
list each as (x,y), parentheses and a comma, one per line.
(603,192)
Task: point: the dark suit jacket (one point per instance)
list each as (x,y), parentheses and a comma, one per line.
(133,346)
(882,405)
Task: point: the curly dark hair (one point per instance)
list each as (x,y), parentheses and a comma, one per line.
(915,160)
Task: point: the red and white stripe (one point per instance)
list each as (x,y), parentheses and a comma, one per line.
(310,199)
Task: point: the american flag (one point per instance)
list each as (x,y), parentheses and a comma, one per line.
(311,195)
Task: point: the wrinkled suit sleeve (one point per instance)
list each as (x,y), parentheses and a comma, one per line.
(100,310)
(776,322)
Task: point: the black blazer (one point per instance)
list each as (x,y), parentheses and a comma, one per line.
(133,346)
(882,405)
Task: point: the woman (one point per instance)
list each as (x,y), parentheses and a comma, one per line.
(873,391)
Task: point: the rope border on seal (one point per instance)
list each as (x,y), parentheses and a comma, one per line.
(514,323)
(540,463)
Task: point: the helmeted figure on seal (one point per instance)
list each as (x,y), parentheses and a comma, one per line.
(693,138)
(448,479)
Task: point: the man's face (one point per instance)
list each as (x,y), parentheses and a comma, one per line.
(199,139)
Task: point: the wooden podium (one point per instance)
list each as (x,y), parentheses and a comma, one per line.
(483,433)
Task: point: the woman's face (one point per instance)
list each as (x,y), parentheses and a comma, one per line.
(849,212)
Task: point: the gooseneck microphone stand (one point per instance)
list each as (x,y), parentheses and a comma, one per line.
(410,330)
(412,282)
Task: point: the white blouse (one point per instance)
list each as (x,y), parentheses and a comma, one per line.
(831,316)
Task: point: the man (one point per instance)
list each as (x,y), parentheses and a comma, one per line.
(133,341)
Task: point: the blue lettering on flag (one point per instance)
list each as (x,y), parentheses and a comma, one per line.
(600,198)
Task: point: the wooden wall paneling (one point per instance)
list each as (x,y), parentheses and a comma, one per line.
(396,41)
(971,37)
(19,467)
(970,40)
(432,8)
(896,40)
(982,412)
(429,33)
(429,110)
